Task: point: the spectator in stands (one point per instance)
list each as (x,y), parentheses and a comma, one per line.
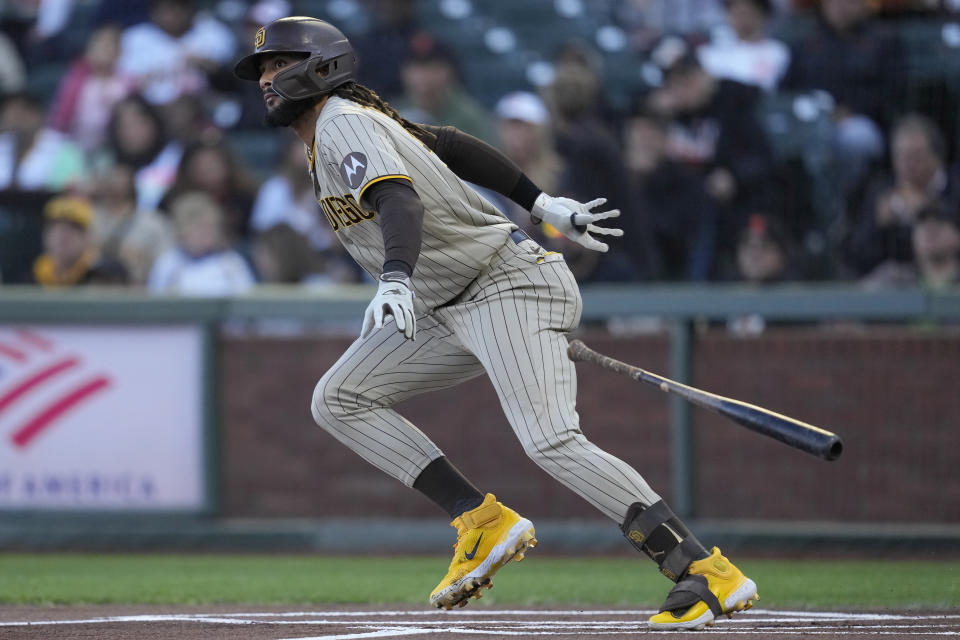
(863,67)
(186,120)
(282,255)
(582,138)
(136,136)
(210,167)
(715,131)
(433,93)
(743,50)
(69,254)
(202,263)
(32,156)
(588,150)
(16,22)
(87,94)
(134,237)
(13,76)
(287,197)
(524,134)
(47,35)
(765,255)
(175,51)
(669,218)
(523,125)
(765,251)
(386,45)
(36,27)
(920,178)
(936,246)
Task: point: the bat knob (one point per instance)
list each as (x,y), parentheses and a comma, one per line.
(575,349)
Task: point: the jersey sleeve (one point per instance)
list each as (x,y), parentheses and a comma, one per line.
(359,150)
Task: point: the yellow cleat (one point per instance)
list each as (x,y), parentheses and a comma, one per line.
(488,537)
(712,587)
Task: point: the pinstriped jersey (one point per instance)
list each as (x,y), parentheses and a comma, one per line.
(355,147)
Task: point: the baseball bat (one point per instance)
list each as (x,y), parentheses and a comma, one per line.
(800,435)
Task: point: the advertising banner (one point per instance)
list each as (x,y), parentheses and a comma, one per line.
(101,418)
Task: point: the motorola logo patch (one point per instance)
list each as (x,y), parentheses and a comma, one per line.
(353,169)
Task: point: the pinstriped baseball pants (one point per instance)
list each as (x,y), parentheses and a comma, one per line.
(511,324)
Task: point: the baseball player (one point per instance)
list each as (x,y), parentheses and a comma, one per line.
(467,293)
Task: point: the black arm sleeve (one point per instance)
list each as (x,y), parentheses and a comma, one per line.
(480,163)
(401,218)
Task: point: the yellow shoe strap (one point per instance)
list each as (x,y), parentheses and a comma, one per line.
(481,516)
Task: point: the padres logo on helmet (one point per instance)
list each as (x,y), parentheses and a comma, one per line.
(261,36)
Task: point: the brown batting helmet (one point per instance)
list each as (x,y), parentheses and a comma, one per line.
(329,59)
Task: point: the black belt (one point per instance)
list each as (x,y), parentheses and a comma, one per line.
(519,235)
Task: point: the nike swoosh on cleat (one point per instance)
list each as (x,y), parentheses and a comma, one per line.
(473,552)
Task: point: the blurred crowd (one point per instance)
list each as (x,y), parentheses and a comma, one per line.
(737,156)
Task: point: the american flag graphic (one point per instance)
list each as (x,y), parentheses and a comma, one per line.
(41,383)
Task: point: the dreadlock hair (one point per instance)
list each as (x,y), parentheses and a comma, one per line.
(367,97)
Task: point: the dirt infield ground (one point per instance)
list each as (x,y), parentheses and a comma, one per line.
(345,623)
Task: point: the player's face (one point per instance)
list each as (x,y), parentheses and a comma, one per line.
(280,112)
(270,66)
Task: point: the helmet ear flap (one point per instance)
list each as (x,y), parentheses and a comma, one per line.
(313,77)
(300,81)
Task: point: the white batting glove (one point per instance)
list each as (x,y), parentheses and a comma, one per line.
(394,298)
(574,220)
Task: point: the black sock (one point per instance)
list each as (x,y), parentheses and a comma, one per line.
(447,487)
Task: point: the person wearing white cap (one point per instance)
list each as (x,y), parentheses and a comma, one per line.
(523,106)
(523,129)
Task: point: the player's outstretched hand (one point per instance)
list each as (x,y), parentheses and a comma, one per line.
(394,298)
(574,219)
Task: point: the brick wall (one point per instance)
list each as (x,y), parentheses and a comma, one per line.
(894,395)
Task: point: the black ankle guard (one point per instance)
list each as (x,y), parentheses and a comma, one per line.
(658,532)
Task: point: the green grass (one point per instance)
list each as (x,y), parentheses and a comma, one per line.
(259,579)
